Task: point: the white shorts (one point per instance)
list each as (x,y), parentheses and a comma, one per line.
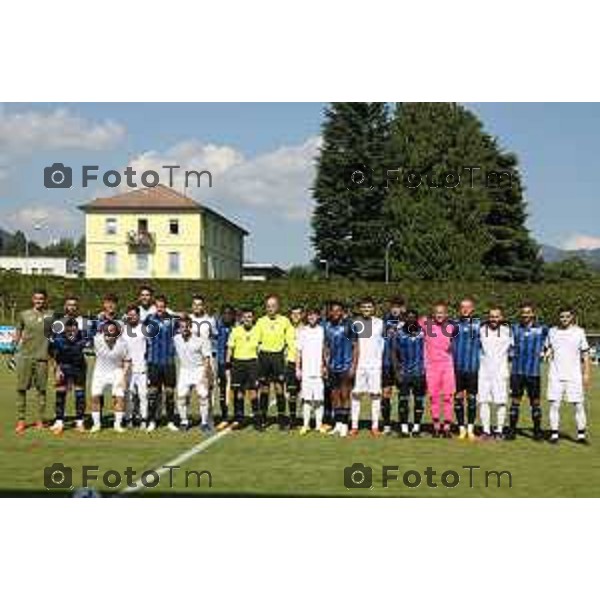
(312,388)
(492,388)
(138,382)
(572,391)
(188,380)
(367,381)
(104,379)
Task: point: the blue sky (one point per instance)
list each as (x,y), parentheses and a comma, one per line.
(261,157)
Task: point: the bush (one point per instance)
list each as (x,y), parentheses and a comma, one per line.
(584,295)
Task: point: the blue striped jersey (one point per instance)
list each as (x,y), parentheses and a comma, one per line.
(391,325)
(339,341)
(223,333)
(466,346)
(410,352)
(528,345)
(160,348)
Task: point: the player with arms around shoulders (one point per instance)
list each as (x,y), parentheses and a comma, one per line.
(494,371)
(341,357)
(311,369)
(569,372)
(368,379)
(68,352)
(194,353)
(111,371)
(134,335)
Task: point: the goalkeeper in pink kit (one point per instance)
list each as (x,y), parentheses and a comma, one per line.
(439,367)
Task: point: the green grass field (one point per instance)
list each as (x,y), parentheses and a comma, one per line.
(274,463)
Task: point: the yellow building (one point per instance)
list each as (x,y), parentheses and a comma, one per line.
(159,233)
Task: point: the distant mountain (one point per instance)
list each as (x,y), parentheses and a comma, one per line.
(552,254)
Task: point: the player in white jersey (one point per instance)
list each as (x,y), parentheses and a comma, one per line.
(494,371)
(310,370)
(195,373)
(137,388)
(205,325)
(111,370)
(569,372)
(370,333)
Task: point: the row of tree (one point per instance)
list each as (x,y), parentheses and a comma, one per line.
(15,244)
(428,185)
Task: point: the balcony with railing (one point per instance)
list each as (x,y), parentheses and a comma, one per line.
(141,241)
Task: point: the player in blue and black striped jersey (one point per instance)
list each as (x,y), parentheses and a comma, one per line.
(409,364)
(392,322)
(529,340)
(341,357)
(465,350)
(225,324)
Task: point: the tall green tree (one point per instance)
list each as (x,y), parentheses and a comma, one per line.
(446,194)
(347,221)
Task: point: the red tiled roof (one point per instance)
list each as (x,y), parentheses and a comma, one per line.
(159,197)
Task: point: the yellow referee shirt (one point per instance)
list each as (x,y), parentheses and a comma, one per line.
(275,333)
(292,346)
(243,343)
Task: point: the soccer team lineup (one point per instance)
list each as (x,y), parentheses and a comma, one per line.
(143,366)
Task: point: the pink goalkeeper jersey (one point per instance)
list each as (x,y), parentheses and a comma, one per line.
(438,342)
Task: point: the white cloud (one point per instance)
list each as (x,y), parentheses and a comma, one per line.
(581,242)
(278,181)
(52,222)
(23,133)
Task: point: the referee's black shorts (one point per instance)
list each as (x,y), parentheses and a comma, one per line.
(161,375)
(244,374)
(525,384)
(291,381)
(271,367)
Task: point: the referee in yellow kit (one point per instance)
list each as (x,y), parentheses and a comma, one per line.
(275,335)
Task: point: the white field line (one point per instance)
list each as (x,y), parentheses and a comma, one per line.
(178,460)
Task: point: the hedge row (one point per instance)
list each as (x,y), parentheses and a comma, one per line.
(15,292)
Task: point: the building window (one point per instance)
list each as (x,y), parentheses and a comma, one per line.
(34,270)
(47,271)
(111,226)
(173,263)
(141,262)
(174,226)
(110,262)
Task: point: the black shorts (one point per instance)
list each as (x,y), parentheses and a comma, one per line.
(521,384)
(222,374)
(291,381)
(339,379)
(388,378)
(412,383)
(161,375)
(75,376)
(244,374)
(467,382)
(271,367)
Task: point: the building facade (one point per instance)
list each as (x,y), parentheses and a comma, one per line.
(159,233)
(36,265)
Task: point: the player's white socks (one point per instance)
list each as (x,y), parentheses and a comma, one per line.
(580,417)
(182,409)
(319,410)
(96,418)
(306,414)
(500,417)
(554,415)
(485,415)
(375,412)
(119,418)
(144,408)
(355,411)
(204,406)
(404,428)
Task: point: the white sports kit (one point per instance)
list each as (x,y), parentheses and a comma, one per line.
(191,355)
(494,364)
(138,379)
(108,369)
(310,346)
(565,376)
(370,357)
